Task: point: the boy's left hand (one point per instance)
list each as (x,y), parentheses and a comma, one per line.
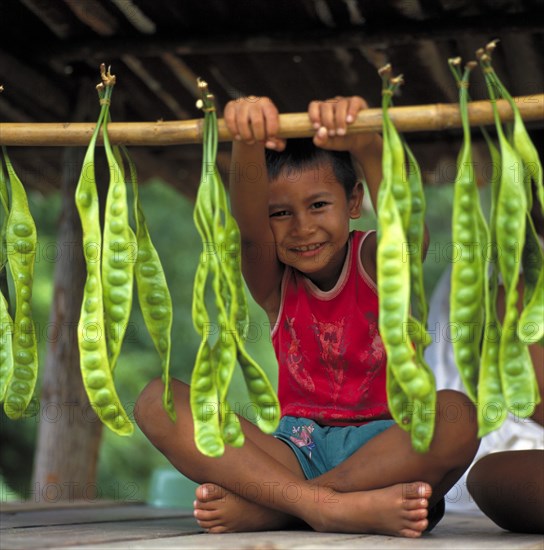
(331,119)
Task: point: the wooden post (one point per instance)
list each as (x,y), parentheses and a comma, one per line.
(69,431)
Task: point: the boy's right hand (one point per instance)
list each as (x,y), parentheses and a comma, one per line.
(253,120)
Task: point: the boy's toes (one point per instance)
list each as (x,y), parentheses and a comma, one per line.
(417,490)
(416,503)
(208,492)
(217,529)
(415,530)
(416,515)
(202,515)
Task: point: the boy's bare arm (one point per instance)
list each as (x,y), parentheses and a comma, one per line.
(254,122)
(369,158)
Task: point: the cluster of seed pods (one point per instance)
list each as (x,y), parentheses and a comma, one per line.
(493,360)
(520,252)
(215,422)
(410,383)
(92,335)
(123,256)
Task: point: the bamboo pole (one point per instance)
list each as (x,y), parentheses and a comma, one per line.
(417,118)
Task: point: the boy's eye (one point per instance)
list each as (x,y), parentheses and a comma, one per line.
(279,214)
(319,204)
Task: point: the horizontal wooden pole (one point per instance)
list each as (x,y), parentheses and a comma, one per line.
(416,118)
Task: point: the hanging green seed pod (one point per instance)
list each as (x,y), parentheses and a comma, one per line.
(95,367)
(516,369)
(153,293)
(21,242)
(468,273)
(410,384)
(215,422)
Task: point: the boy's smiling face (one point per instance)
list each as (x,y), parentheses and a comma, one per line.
(309,217)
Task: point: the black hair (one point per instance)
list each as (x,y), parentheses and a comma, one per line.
(302,154)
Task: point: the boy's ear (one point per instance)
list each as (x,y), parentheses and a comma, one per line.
(356,200)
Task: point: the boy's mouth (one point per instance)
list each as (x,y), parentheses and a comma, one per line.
(307,249)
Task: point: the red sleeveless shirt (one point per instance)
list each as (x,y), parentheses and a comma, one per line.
(330,354)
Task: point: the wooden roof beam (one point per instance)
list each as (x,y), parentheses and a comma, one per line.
(444,29)
(94,15)
(20,78)
(138,68)
(185,76)
(52,15)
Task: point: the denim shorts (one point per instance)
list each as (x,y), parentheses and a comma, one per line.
(321,448)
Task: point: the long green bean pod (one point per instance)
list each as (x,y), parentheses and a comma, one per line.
(531,323)
(227,238)
(400,405)
(521,140)
(4,200)
(6,323)
(119,252)
(492,409)
(153,293)
(21,242)
(423,420)
(203,396)
(261,392)
(394,285)
(423,417)
(424,412)
(95,368)
(205,404)
(224,349)
(415,236)
(205,399)
(468,273)
(532,261)
(225,346)
(399,182)
(516,369)
(407,382)
(215,423)
(491,406)
(6,350)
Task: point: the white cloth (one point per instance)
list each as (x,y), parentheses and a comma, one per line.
(514,434)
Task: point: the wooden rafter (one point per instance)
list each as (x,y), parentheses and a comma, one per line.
(52,14)
(443,30)
(94,15)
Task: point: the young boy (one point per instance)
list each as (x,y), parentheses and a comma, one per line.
(337,461)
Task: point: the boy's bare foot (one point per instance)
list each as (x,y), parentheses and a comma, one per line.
(399,510)
(220,511)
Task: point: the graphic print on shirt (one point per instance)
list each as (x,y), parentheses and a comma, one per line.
(332,348)
(302,437)
(374,356)
(294,359)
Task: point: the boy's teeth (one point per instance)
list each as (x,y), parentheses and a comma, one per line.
(306,248)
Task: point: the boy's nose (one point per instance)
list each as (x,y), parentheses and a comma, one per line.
(303,225)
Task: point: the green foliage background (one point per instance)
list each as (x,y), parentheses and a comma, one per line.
(125,464)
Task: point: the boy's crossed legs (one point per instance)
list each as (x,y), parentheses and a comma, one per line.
(385,487)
